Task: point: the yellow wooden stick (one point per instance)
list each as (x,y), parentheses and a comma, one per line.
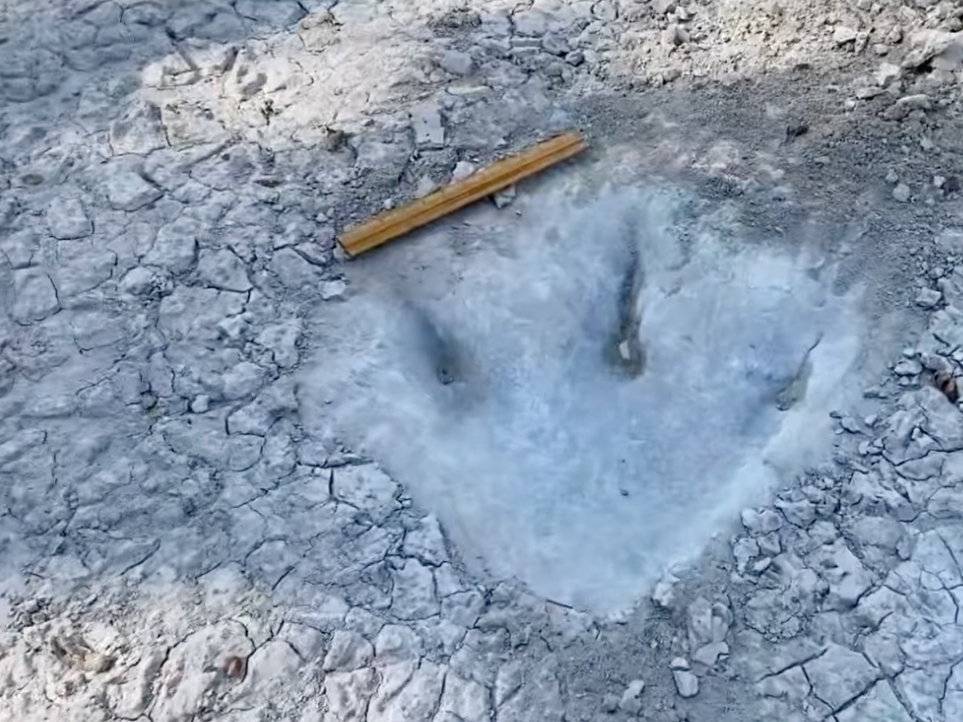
(488,181)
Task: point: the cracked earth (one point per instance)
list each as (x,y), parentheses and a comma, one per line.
(242,478)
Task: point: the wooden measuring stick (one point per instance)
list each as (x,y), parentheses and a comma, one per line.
(488,181)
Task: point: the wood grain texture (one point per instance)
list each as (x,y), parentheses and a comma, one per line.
(496,177)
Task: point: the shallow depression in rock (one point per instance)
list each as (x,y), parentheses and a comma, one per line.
(492,371)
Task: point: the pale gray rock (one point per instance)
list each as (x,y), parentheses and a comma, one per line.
(139,131)
(908,367)
(128,191)
(883,650)
(175,247)
(847,577)
(194,669)
(839,675)
(463,608)
(413,595)
(761,522)
(555,44)
(93,329)
(877,705)
(928,298)
(223,270)
(293,270)
(800,512)
(464,699)
(241,381)
(425,542)
(281,340)
(456,62)
(530,23)
(67,219)
(193,314)
(686,683)
(708,623)
(83,267)
(879,531)
(901,193)
(709,654)
(791,685)
(146,281)
(427,125)
(396,643)
(332,290)
(349,651)
(348,693)
(269,668)
(19,248)
(631,700)
(35,297)
(922,689)
(368,489)
(525,694)
(744,550)
(415,700)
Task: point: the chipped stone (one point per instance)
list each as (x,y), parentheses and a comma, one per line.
(349,651)
(67,219)
(686,683)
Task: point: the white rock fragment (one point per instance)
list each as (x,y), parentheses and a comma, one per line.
(761,522)
(348,693)
(67,219)
(843,35)
(686,683)
(708,623)
(664,593)
(530,23)
(427,125)
(412,696)
(710,653)
(631,701)
(908,367)
(426,186)
(367,488)
(744,551)
(223,270)
(901,193)
(928,298)
(456,62)
(35,297)
(675,35)
(425,542)
(333,290)
(887,73)
(678,663)
(127,191)
(396,643)
(839,675)
(463,169)
(282,339)
(175,247)
(241,381)
(349,651)
(413,596)
(880,704)
(892,177)
(504,197)
(146,281)
(464,699)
